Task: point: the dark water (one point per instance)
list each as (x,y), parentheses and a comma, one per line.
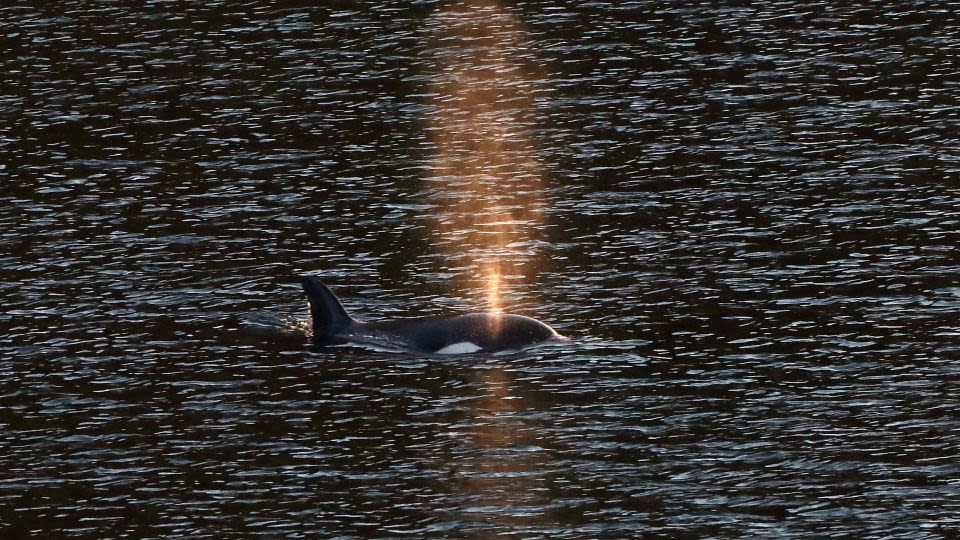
(749,224)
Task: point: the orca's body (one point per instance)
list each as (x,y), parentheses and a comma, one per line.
(475,332)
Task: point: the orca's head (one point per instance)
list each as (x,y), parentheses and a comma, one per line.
(517,331)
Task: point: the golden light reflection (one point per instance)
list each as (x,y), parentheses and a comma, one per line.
(486,182)
(502,477)
(485,179)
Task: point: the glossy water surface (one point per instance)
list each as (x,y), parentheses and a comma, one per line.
(745,214)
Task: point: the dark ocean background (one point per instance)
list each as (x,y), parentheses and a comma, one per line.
(745,214)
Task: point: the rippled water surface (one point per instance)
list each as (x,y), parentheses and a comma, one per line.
(745,214)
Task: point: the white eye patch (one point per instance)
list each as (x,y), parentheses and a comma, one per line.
(463,347)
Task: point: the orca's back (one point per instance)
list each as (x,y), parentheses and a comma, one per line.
(487,331)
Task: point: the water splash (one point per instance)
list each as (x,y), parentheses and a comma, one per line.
(486,177)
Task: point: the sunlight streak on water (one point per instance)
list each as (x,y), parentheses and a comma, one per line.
(487,181)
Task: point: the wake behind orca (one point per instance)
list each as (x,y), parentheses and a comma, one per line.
(474,332)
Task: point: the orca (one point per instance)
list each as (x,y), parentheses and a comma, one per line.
(470,333)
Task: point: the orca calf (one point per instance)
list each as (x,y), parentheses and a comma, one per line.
(474,332)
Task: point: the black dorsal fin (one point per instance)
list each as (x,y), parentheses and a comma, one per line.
(327,312)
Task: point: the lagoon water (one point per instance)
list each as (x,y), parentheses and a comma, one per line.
(745,215)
